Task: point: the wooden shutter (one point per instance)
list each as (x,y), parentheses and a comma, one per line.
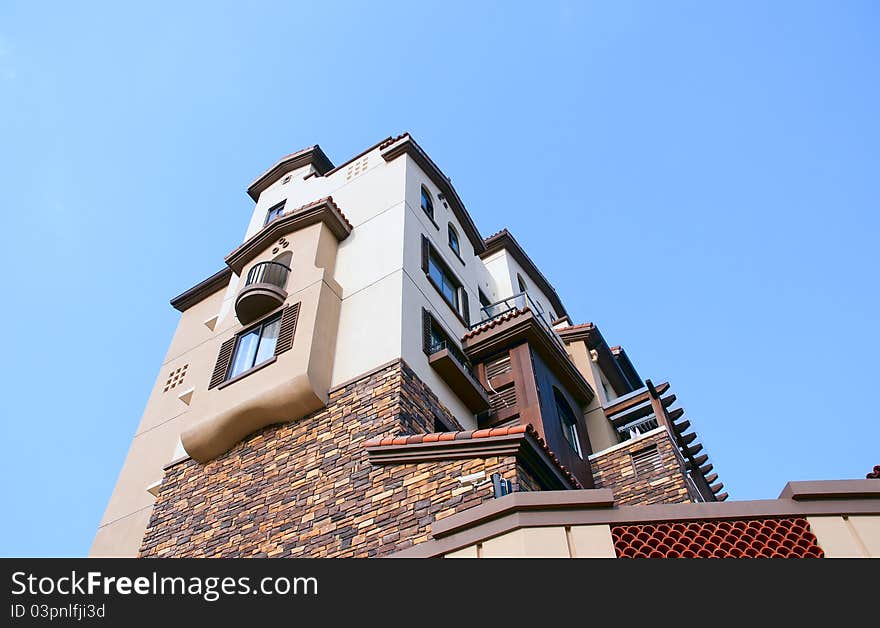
(222,365)
(465,309)
(426,251)
(288,328)
(426,331)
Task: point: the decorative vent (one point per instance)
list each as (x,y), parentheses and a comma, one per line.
(356,168)
(647,461)
(175,378)
(758,538)
(498,366)
(503,399)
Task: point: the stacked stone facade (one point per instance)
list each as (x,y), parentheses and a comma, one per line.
(663,484)
(306,488)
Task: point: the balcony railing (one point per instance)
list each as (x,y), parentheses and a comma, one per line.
(455,352)
(519,301)
(637,427)
(268,272)
(448,360)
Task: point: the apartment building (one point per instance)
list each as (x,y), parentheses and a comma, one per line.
(367,370)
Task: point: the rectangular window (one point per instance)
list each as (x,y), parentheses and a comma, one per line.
(446,283)
(274,212)
(443,281)
(255,346)
(568,422)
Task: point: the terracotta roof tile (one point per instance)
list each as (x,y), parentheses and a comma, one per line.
(874,474)
(433,437)
(494,323)
(575,327)
(392,140)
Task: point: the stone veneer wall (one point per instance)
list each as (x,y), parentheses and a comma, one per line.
(306,488)
(665,485)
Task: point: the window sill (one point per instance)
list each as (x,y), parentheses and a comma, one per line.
(458,314)
(433,222)
(457,256)
(244,374)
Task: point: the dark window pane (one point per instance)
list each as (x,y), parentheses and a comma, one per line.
(453,241)
(427,204)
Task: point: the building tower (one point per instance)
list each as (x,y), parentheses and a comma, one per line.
(366,364)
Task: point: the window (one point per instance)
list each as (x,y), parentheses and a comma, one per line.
(521,282)
(445,284)
(435,338)
(568,422)
(427,203)
(444,281)
(453,240)
(255,346)
(274,212)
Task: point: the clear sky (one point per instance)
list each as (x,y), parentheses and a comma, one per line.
(699,179)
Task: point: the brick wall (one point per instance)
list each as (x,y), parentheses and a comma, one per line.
(664,483)
(307,489)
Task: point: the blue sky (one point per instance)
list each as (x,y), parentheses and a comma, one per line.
(699,179)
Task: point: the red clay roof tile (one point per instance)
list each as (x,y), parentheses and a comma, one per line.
(432,437)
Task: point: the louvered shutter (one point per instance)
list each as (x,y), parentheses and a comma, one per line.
(465,308)
(426,251)
(288,328)
(426,331)
(222,365)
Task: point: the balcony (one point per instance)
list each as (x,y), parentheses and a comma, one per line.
(263,291)
(445,358)
(516,320)
(517,303)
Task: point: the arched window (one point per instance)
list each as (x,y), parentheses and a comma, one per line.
(567,422)
(453,240)
(427,203)
(521,282)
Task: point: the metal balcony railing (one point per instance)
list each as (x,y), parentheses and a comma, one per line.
(639,426)
(519,301)
(456,353)
(268,272)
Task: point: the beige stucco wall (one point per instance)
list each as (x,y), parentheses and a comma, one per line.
(587,541)
(847,536)
(504,269)
(599,428)
(375,275)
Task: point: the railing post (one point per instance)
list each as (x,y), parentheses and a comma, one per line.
(657,406)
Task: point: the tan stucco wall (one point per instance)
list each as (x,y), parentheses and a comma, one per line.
(588,541)
(852,536)
(599,428)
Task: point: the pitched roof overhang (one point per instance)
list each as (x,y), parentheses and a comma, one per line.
(209,286)
(505,240)
(521,441)
(610,366)
(406,145)
(312,155)
(523,326)
(324,210)
(626,365)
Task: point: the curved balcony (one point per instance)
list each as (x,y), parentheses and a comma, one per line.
(263,291)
